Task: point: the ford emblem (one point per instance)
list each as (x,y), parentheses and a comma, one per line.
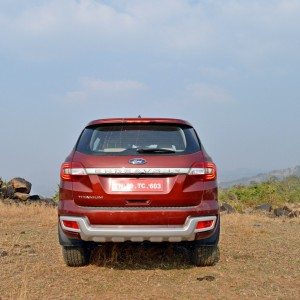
(137,161)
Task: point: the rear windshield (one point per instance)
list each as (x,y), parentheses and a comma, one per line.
(132,139)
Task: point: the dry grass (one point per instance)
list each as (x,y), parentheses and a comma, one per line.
(260,259)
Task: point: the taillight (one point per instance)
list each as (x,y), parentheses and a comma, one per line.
(70,169)
(206,170)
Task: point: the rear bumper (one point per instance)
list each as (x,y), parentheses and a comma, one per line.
(138,233)
(163,216)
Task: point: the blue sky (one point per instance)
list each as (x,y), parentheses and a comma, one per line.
(229,67)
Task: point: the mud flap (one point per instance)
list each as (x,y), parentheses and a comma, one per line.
(65,241)
(213,240)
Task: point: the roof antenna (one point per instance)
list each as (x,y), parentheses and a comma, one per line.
(139,116)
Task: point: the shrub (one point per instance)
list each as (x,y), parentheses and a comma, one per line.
(273,192)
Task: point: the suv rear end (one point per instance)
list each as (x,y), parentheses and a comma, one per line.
(138,180)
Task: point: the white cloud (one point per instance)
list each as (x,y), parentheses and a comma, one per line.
(76,96)
(93,88)
(176,27)
(208,93)
(112,86)
(218,72)
(59,17)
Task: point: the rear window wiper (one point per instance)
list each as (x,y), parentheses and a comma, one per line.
(155,150)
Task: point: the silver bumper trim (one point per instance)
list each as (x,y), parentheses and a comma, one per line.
(137,233)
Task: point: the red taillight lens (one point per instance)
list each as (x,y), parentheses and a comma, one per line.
(70,169)
(204,224)
(206,170)
(71,224)
(63,173)
(210,171)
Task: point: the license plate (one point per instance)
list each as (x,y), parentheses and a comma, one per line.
(137,185)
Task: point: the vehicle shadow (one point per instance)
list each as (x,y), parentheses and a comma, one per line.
(136,256)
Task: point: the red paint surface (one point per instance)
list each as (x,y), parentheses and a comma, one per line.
(180,196)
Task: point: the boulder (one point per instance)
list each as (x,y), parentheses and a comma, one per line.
(282,211)
(264,207)
(20,185)
(294,214)
(225,207)
(2,191)
(7,192)
(34,197)
(21,196)
(287,208)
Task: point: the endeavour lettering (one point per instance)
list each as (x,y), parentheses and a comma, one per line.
(116,171)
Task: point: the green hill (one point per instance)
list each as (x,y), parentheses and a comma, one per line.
(280,174)
(275,192)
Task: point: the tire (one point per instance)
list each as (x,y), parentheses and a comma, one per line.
(76,256)
(205,256)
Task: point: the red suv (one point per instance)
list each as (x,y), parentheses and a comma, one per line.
(139,179)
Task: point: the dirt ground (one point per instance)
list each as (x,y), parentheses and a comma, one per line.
(260,258)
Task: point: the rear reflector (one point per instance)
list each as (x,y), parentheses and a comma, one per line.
(70,224)
(204,224)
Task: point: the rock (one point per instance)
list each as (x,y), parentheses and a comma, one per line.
(287,209)
(20,185)
(294,214)
(7,192)
(225,207)
(21,196)
(34,197)
(284,211)
(248,210)
(207,278)
(264,207)
(3,253)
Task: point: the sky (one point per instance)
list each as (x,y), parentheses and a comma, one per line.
(231,68)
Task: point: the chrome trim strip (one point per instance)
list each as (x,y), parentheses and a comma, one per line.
(139,171)
(154,233)
(139,208)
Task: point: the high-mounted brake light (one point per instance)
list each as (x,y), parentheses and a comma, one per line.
(137,121)
(70,169)
(207,170)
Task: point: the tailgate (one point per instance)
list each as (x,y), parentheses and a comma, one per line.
(113,182)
